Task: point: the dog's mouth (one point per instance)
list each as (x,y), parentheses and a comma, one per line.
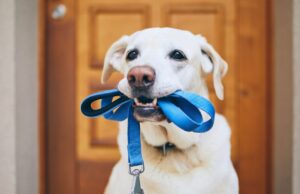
(146,109)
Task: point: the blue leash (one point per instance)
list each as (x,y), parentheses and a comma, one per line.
(180,107)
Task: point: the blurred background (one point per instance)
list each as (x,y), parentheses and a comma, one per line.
(51,57)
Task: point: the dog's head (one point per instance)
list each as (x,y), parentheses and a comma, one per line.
(156,62)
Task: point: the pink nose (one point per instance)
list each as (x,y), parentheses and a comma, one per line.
(141,77)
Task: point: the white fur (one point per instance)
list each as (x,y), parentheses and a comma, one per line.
(202,164)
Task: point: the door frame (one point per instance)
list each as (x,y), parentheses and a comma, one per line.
(57,159)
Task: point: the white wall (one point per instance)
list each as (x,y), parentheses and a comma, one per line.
(26,60)
(283,133)
(7,98)
(18,97)
(287,97)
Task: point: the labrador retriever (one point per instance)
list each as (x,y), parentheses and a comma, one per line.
(156,62)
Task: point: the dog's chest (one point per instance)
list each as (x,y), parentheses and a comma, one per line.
(166,184)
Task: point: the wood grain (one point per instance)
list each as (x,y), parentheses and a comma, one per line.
(253,97)
(61,175)
(270,93)
(41,98)
(93,176)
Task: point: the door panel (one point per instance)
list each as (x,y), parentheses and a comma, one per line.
(99,23)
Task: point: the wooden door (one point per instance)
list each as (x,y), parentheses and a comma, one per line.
(81,151)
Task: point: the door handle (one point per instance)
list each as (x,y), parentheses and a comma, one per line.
(59,11)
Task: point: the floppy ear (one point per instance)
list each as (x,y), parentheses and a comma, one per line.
(213,63)
(113,58)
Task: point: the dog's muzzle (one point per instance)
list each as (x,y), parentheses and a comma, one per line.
(141,80)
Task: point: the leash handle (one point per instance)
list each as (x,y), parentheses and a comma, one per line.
(107,104)
(183,109)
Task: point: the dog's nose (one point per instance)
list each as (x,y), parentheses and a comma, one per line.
(141,77)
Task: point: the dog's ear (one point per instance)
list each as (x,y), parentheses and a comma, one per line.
(211,62)
(113,58)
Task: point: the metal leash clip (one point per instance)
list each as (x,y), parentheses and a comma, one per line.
(136,183)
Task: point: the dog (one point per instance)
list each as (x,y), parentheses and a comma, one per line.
(156,62)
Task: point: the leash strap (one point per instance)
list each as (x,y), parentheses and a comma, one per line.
(181,107)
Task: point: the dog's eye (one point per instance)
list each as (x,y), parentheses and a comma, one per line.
(133,54)
(177,55)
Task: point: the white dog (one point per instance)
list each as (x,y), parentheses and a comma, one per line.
(156,62)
